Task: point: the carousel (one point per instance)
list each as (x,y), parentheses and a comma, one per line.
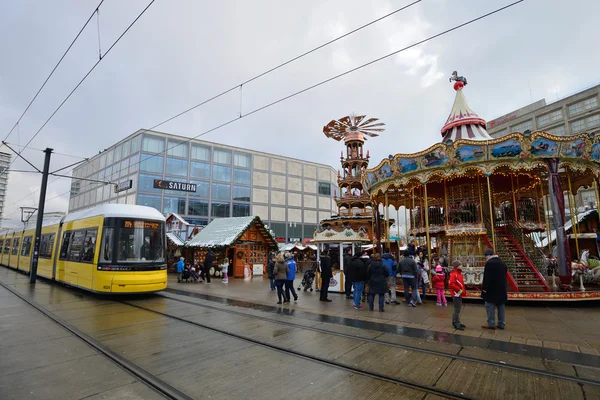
(471,192)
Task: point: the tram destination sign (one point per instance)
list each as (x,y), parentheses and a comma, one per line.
(121,186)
(170,185)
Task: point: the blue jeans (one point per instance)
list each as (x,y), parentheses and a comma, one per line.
(358,289)
(410,283)
(490,309)
(372,300)
(272,282)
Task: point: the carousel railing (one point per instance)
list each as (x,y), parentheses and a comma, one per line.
(535,255)
(350,213)
(464,213)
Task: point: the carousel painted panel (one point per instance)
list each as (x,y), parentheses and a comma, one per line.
(573,148)
(507,148)
(407,165)
(469,153)
(544,147)
(595,155)
(435,158)
(346,235)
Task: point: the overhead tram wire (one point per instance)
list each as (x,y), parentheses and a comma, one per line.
(54,69)
(84,78)
(471,21)
(54,153)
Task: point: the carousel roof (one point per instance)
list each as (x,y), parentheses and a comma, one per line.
(463,123)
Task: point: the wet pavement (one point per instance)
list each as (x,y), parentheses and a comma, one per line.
(212,346)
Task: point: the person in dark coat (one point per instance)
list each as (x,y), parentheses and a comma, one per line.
(378,274)
(326,275)
(208,260)
(347,282)
(408,269)
(493,290)
(270,267)
(357,273)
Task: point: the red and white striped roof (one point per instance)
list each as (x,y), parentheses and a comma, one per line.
(463,123)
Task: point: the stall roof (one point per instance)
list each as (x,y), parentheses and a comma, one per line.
(223,232)
(173,238)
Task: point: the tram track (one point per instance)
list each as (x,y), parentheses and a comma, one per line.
(459,357)
(142,375)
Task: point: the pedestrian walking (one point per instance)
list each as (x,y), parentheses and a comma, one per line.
(438,284)
(270,267)
(225,269)
(423,265)
(378,274)
(291,275)
(458,292)
(357,272)
(408,270)
(180,268)
(493,290)
(208,260)
(390,263)
(326,275)
(280,271)
(366,259)
(347,282)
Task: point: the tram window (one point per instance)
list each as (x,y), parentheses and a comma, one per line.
(89,245)
(15,248)
(107,245)
(76,246)
(26,246)
(1,244)
(141,244)
(6,246)
(65,245)
(46,245)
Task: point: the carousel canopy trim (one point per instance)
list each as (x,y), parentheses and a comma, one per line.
(223,232)
(173,238)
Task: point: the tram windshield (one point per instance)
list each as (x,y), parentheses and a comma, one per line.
(137,241)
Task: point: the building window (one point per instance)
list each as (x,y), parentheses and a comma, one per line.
(309,230)
(325,188)
(219,210)
(135,144)
(201,188)
(124,168)
(221,173)
(198,207)
(549,118)
(153,144)
(109,157)
(593,121)
(118,153)
(125,149)
(134,162)
(199,170)
(241,193)
(582,106)
(522,127)
(222,156)
(149,201)
(177,148)
(197,221)
(151,163)
(558,131)
(241,176)
(578,126)
(241,210)
(146,183)
(174,205)
(101,163)
(220,191)
(177,167)
(200,152)
(242,160)
(278,229)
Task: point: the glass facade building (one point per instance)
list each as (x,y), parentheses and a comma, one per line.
(289,195)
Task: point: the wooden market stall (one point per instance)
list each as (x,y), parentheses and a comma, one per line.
(245,241)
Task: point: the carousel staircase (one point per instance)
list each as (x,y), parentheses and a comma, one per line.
(520,265)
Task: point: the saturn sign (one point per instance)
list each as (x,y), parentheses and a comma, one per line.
(170,185)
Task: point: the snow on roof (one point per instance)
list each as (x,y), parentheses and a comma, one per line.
(175,239)
(119,211)
(224,231)
(179,217)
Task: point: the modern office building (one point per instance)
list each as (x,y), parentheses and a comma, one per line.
(5,157)
(202,181)
(571,115)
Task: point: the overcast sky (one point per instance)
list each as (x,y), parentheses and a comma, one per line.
(183,52)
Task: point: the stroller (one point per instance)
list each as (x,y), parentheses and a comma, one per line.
(189,273)
(307,280)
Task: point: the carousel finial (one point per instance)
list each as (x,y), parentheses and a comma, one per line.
(460,81)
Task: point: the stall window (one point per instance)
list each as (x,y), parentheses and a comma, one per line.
(89,245)
(107,245)
(15,247)
(26,246)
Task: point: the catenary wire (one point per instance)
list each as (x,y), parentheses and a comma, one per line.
(54,69)
(84,78)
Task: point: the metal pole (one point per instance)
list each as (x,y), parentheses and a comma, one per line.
(512,185)
(537,204)
(596,192)
(40,217)
(480,202)
(491,211)
(427,226)
(548,225)
(387,221)
(574,217)
(446,210)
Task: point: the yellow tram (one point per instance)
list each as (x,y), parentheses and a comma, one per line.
(112,248)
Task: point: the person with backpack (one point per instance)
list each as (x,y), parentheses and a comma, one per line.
(291,275)
(390,263)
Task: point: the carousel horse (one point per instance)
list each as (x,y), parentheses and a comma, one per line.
(585,269)
(457,78)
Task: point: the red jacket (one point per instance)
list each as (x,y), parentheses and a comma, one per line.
(438,280)
(457,283)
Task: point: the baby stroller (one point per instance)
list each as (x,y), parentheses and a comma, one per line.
(307,280)
(189,273)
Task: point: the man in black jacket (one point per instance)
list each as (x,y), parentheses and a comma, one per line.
(326,275)
(208,260)
(493,290)
(347,281)
(357,272)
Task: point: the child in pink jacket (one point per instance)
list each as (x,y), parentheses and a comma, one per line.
(438,285)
